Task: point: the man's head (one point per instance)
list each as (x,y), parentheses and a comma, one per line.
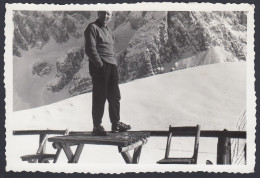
(104,17)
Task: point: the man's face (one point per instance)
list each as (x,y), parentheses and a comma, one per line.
(105,17)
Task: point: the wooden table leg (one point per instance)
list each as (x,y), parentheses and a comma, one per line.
(72,158)
(137,152)
(42,146)
(67,151)
(136,155)
(127,157)
(77,153)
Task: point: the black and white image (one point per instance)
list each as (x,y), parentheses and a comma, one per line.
(185,68)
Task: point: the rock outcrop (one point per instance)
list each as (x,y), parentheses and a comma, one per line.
(193,32)
(33,29)
(146,44)
(80,84)
(66,66)
(41,68)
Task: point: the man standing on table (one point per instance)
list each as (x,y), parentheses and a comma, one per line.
(99,47)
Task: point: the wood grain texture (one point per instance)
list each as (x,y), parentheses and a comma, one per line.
(118,139)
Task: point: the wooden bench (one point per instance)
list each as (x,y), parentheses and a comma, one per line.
(184,130)
(41,156)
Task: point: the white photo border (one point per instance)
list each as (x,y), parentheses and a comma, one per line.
(104,168)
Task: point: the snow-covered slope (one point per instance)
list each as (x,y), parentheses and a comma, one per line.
(211,95)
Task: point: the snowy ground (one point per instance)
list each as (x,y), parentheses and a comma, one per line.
(211,95)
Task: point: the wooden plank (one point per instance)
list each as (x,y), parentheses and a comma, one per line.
(38,132)
(123,135)
(139,135)
(134,135)
(224,149)
(136,155)
(115,136)
(90,133)
(230,134)
(68,152)
(78,153)
(168,145)
(38,156)
(203,133)
(42,144)
(93,138)
(59,149)
(80,133)
(31,160)
(96,138)
(245,153)
(196,145)
(57,145)
(176,161)
(130,147)
(126,157)
(190,129)
(102,140)
(57,154)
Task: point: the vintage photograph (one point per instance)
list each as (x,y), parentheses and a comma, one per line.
(113,88)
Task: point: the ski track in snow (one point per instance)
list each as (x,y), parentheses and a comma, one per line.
(211,95)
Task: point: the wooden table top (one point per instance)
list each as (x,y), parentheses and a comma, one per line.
(119,139)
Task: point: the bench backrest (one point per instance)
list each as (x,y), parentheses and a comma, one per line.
(184,131)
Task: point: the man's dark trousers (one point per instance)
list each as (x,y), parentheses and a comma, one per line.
(105,87)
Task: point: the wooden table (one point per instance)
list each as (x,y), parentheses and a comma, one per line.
(125,141)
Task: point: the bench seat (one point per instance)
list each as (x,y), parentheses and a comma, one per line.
(40,157)
(176,161)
